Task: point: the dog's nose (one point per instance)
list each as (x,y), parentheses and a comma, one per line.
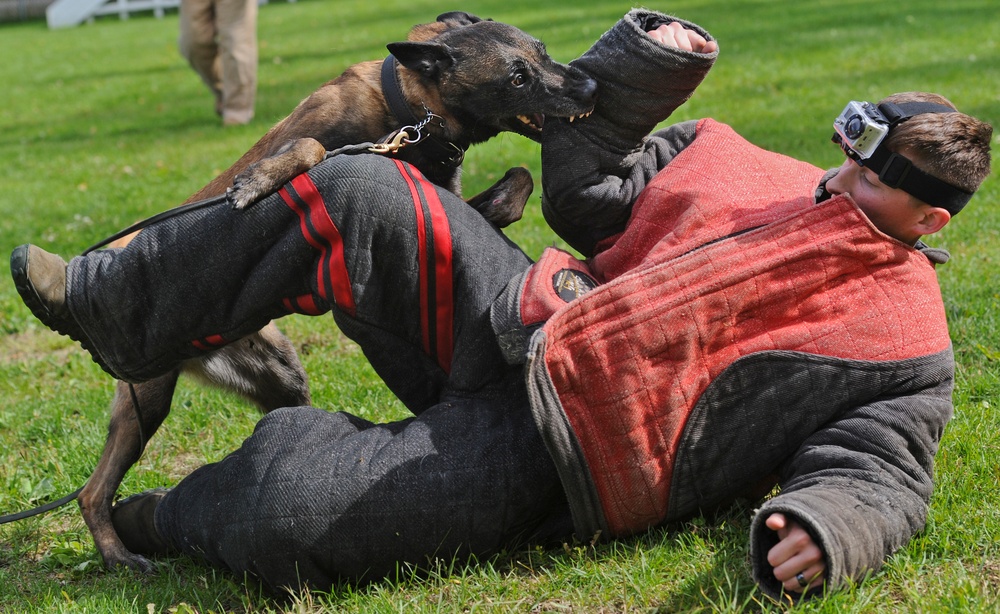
(585,90)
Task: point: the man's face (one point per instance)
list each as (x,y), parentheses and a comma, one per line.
(891,210)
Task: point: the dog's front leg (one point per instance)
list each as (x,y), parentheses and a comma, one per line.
(121,451)
(503,202)
(266,176)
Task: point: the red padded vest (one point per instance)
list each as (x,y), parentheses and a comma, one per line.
(726,254)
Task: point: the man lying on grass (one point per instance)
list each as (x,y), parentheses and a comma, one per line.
(742,320)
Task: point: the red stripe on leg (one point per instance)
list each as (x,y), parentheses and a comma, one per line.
(321,232)
(443,299)
(305,304)
(444,302)
(211,342)
(421,257)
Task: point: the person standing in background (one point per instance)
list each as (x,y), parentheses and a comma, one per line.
(219,39)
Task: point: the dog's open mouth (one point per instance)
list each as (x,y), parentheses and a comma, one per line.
(536,121)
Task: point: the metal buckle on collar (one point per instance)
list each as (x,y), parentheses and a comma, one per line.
(407,135)
(396,141)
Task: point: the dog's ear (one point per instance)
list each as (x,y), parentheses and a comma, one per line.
(428,59)
(459,18)
(445,22)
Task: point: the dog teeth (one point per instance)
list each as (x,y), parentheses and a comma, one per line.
(527,121)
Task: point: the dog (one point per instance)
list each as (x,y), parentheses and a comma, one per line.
(465,80)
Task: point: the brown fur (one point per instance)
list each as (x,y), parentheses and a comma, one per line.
(478,76)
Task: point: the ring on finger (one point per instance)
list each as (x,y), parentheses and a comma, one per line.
(801,579)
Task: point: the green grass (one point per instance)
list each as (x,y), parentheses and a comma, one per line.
(104,124)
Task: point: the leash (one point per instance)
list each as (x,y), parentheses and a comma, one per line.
(413,132)
(47,507)
(41,509)
(169,213)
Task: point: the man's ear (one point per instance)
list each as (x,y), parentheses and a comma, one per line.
(428,59)
(933,220)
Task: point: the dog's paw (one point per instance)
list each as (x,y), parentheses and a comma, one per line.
(130,560)
(244,192)
(238,198)
(116,555)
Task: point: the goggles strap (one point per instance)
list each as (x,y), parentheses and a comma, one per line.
(897,171)
(898,113)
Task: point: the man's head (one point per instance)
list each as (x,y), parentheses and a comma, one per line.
(951,147)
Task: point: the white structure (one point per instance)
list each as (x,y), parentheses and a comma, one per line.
(68,13)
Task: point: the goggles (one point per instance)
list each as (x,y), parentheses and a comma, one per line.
(860,130)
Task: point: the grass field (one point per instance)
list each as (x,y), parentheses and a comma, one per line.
(104,124)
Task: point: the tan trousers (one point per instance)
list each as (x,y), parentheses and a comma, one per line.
(219,39)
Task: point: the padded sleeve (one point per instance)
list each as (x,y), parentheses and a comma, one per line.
(593,169)
(860,486)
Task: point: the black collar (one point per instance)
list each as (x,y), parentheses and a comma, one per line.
(441,151)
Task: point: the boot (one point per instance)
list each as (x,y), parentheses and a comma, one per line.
(40,279)
(132,518)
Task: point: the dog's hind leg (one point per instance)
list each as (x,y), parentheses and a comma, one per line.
(121,451)
(263,368)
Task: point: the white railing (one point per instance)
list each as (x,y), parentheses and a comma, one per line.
(68,13)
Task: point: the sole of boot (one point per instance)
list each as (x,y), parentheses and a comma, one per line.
(64,326)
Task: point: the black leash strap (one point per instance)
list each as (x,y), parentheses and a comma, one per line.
(169,213)
(41,509)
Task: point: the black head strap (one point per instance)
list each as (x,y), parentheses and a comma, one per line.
(897,171)
(898,113)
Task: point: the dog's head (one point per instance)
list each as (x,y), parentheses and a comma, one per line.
(493,77)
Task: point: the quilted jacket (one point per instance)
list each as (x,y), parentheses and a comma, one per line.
(729,331)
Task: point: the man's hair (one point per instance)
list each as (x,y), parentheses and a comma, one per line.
(954,147)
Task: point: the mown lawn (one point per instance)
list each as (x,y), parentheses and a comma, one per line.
(105,124)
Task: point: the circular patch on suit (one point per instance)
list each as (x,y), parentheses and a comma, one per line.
(571,284)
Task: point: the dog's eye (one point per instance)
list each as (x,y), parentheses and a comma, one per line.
(517,80)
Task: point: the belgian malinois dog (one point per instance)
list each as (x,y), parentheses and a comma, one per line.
(470,79)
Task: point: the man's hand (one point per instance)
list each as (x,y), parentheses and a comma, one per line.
(673,34)
(796,559)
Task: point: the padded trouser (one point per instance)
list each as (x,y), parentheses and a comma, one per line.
(313,497)
(409,271)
